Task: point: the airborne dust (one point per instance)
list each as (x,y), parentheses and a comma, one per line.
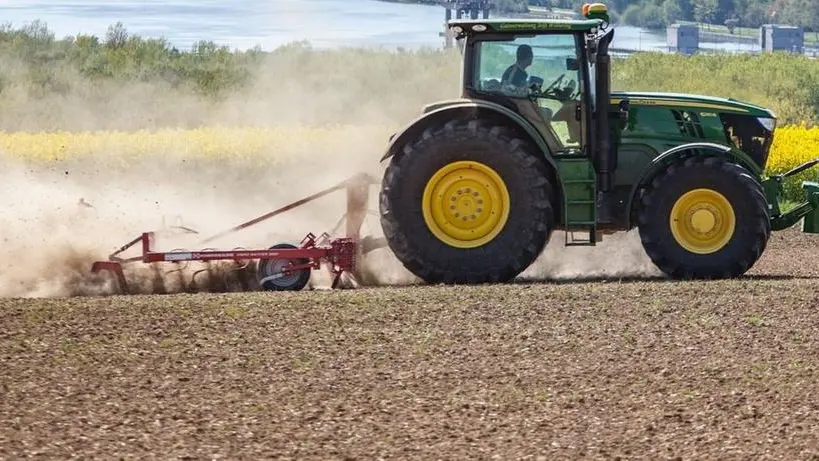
(57,217)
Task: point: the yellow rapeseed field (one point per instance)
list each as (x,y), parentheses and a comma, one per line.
(792,145)
(277,143)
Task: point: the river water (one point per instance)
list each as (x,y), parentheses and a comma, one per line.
(271,23)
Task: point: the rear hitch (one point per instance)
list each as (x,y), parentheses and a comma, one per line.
(809,209)
(281,267)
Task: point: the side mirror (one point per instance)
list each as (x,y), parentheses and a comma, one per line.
(535,84)
(572,64)
(623,113)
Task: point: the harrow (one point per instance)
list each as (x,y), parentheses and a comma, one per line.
(283,266)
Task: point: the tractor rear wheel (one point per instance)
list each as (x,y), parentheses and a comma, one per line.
(467,203)
(704,218)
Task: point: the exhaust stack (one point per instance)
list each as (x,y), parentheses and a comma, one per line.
(603,154)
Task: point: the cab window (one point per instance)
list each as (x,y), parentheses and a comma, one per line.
(543,67)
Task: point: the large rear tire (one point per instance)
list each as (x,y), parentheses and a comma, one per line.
(704,218)
(467,203)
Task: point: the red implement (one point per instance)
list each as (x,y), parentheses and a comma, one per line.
(282,267)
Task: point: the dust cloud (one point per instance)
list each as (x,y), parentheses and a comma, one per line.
(58,217)
(618,256)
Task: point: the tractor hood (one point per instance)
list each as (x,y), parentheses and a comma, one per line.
(691,101)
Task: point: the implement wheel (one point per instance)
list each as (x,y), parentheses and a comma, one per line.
(704,218)
(270,277)
(467,203)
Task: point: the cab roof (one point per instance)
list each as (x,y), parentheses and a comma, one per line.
(534,25)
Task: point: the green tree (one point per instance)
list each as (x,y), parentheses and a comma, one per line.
(672,11)
(705,10)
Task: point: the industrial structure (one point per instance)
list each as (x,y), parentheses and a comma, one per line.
(777,37)
(683,38)
(462,9)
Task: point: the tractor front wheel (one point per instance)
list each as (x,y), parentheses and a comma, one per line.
(467,203)
(704,218)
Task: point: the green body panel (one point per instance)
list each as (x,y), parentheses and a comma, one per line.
(505,25)
(652,129)
(691,102)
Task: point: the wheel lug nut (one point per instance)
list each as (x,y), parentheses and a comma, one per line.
(457,215)
(453,199)
(479,210)
(480,202)
(475,193)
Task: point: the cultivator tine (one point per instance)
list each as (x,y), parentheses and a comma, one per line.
(239,271)
(193,285)
(158,281)
(115,268)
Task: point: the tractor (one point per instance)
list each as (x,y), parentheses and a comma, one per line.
(537,142)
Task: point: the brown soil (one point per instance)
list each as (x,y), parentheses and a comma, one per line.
(609,369)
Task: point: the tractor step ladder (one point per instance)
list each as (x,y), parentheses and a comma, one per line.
(579,206)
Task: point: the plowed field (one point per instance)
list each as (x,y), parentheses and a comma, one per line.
(609,369)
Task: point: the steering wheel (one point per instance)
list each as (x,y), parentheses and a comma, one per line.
(561,93)
(555,83)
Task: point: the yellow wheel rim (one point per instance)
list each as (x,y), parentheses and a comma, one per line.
(465,204)
(702,221)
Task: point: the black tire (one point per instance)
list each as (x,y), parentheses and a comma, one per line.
(510,252)
(292,282)
(750,208)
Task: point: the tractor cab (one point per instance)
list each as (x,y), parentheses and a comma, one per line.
(554,73)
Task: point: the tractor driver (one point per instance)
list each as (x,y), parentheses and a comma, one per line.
(515,77)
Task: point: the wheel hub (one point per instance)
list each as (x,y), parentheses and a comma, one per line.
(465,204)
(702,221)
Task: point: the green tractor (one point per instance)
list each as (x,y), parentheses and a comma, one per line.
(538,142)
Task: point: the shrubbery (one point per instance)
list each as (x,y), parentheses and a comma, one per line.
(37,64)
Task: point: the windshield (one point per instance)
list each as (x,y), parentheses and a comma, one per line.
(544,68)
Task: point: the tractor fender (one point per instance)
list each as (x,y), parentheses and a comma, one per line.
(439,113)
(683,151)
(443,111)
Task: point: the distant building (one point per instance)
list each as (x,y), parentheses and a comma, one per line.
(683,38)
(462,9)
(775,37)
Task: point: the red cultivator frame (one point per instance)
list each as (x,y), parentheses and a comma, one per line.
(283,266)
